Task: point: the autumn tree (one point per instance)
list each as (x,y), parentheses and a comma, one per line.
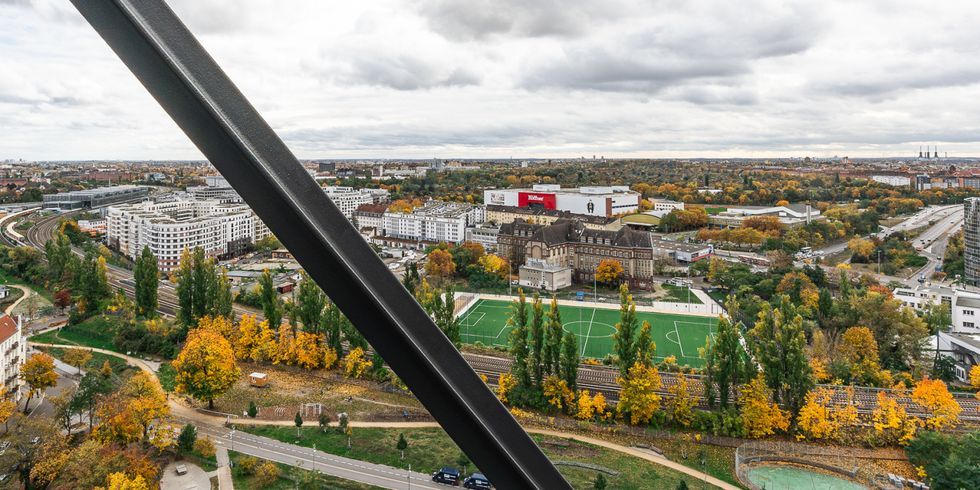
(760,417)
(568,362)
(536,340)
(146,277)
(122,481)
(519,341)
(638,397)
(609,271)
(680,404)
(129,413)
(443,309)
(891,421)
(38,373)
(861,247)
(551,354)
(780,347)
(933,396)
(626,332)
(205,366)
(495,265)
(356,363)
(558,394)
(822,418)
(860,350)
(77,357)
(440,264)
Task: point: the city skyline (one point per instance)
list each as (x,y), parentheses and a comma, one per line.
(435,79)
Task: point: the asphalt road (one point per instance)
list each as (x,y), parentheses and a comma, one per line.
(306,458)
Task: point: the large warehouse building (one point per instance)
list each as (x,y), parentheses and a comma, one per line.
(93,198)
(592,201)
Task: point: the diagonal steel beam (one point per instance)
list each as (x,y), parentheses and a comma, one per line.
(202,100)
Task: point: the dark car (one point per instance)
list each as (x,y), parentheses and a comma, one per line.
(446,475)
(476,480)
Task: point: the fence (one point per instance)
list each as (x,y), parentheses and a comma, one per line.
(820,459)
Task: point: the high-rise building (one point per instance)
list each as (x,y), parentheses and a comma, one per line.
(348,199)
(971,240)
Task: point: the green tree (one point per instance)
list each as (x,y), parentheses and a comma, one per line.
(58,252)
(444,314)
(223,298)
(185,289)
(536,340)
(298,420)
(938,319)
(253,410)
(271,304)
(552,343)
(780,347)
(411,279)
(330,321)
(625,332)
(519,340)
(146,276)
(600,482)
(310,301)
(204,285)
(402,445)
(569,360)
(187,438)
(727,359)
(949,461)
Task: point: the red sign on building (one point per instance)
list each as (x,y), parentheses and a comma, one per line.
(535,199)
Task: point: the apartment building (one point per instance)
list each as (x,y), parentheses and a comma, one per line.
(971,241)
(216,188)
(436,221)
(222,230)
(348,199)
(13,353)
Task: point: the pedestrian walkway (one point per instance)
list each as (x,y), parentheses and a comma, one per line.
(225,481)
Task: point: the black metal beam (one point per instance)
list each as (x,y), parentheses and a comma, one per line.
(202,100)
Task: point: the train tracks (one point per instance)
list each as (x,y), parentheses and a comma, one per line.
(596,379)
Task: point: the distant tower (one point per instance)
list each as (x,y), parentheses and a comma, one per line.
(920,151)
(936,155)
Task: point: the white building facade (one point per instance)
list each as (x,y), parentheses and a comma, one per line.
(348,199)
(13,353)
(436,221)
(605,201)
(221,230)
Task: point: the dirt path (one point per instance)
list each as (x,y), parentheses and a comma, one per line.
(27,292)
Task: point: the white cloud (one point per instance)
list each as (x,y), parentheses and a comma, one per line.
(503,78)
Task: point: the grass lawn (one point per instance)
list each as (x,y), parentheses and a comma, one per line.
(429,449)
(677,294)
(9,279)
(675,334)
(118,365)
(286,481)
(96,331)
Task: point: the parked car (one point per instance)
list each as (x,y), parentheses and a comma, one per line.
(477,480)
(446,475)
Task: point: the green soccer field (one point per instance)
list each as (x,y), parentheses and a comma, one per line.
(675,335)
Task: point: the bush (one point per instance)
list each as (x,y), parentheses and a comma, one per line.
(266,474)
(205,447)
(248,464)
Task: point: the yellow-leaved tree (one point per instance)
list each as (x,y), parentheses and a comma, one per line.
(680,405)
(285,346)
(129,413)
(975,380)
(935,398)
(558,393)
(38,373)
(892,422)
(760,417)
(609,271)
(355,363)
(205,366)
(120,481)
(310,350)
(505,383)
(247,338)
(638,397)
(821,418)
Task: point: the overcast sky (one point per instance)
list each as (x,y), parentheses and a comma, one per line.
(512,78)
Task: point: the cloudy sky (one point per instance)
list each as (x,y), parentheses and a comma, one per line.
(510,78)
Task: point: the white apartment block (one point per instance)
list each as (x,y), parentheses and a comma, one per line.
(13,353)
(220,229)
(348,199)
(437,221)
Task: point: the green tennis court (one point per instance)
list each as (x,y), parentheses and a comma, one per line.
(676,335)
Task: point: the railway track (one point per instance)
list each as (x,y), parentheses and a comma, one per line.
(596,379)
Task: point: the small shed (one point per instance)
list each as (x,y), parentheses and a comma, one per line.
(258,379)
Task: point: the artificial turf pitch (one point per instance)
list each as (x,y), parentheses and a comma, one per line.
(675,335)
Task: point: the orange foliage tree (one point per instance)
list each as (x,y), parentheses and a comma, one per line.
(932,395)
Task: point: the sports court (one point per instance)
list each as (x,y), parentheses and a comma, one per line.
(678,335)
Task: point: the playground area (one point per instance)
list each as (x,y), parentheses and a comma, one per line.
(485,321)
